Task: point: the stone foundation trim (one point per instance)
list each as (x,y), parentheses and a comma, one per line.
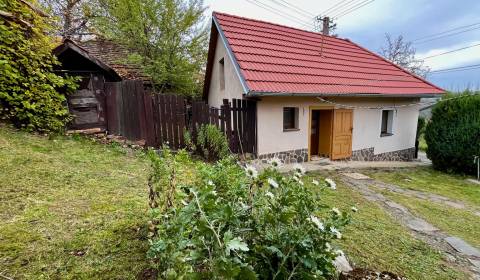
(292,156)
(368,155)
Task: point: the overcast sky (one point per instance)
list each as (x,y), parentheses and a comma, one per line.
(367,26)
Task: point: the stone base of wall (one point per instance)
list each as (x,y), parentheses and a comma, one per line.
(368,155)
(293,156)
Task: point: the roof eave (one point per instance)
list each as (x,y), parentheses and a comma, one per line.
(310,94)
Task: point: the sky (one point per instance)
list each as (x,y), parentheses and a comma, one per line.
(367,26)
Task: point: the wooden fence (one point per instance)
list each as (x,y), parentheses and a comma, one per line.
(160,119)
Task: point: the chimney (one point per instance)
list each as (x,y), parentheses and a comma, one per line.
(326,26)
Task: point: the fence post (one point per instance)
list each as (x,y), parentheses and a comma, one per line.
(228,122)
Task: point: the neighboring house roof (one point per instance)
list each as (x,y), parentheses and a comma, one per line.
(272,59)
(107,55)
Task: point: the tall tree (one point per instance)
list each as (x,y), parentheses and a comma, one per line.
(402,53)
(167,37)
(73,17)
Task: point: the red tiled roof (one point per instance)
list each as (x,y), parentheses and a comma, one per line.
(279,59)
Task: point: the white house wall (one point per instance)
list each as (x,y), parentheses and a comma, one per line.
(366,124)
(233,87)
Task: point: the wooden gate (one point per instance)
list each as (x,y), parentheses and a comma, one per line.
(342,134)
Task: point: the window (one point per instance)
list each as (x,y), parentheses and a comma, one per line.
(290,118)
(221,63)
(387,123)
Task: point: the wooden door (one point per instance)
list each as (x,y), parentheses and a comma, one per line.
(342,134)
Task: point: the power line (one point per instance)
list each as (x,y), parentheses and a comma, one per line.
(443,32)
(354,8)
(454,69)
(452,51)
(337,6)
(447,35)
(278,12)
(291,6)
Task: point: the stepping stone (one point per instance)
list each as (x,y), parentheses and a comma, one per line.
(454,204)
(477,213)
(463,247)
(356,176)
(476,263)
(397,206)
(341,264)
(474,181)
(420,225)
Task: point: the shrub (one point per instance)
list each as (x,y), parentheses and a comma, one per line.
(29,89)
(420,127)
(453,134)
(212,143)
(233,223)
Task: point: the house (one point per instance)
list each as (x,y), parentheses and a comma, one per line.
(317,95)
(97,62)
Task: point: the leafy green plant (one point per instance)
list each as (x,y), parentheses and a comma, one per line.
(453,134)
(420,127)
(236,223)
(212,143)
(29,89)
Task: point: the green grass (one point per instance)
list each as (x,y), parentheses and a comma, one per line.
(422,143)
(375,240)
(428,180)
(71,208)
(457,222)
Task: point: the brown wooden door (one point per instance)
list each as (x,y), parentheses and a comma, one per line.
(342,134)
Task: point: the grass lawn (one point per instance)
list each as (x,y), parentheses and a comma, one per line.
(377,241)
(74,209)
(428,180)
(70,209)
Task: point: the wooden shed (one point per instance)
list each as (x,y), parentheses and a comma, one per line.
(97,62)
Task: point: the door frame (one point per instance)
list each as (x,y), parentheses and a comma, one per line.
(310,109)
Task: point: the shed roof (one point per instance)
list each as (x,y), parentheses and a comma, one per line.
(279,60)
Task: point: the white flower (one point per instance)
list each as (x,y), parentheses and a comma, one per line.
(272,183)
(354,209)
(336,232)
(299,169)
(210,183)
(336,211)
(316,222)
(275,162)
(269,194)
(251,171)
(339,252)
(184,202)
(214,193)
(315,182)
(331,183)
(297,179)
(328,247)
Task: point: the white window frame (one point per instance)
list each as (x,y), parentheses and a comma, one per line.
(386,125)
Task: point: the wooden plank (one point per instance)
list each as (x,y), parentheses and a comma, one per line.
(175,126)
(169,111)
(111,105)
(228,122)
(163,118)
(158,121)
(141,110)
(181,106)
(222,118)
(150,140)
(235,147)
(245,125)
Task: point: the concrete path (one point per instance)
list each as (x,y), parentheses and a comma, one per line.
(456,250)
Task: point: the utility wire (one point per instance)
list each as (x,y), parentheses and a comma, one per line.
(452,51)
(395,106)
(447,35)
(278,12)
(446,31)
(455,69)
(339,5)
(354,8)
(291,6)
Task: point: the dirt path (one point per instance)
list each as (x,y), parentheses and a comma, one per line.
(456,250)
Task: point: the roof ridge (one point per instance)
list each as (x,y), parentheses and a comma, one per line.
(279,25)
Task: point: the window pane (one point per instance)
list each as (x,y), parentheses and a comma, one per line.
(289,118)
(384,121)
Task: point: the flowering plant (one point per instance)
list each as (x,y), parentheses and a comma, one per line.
(237,222)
